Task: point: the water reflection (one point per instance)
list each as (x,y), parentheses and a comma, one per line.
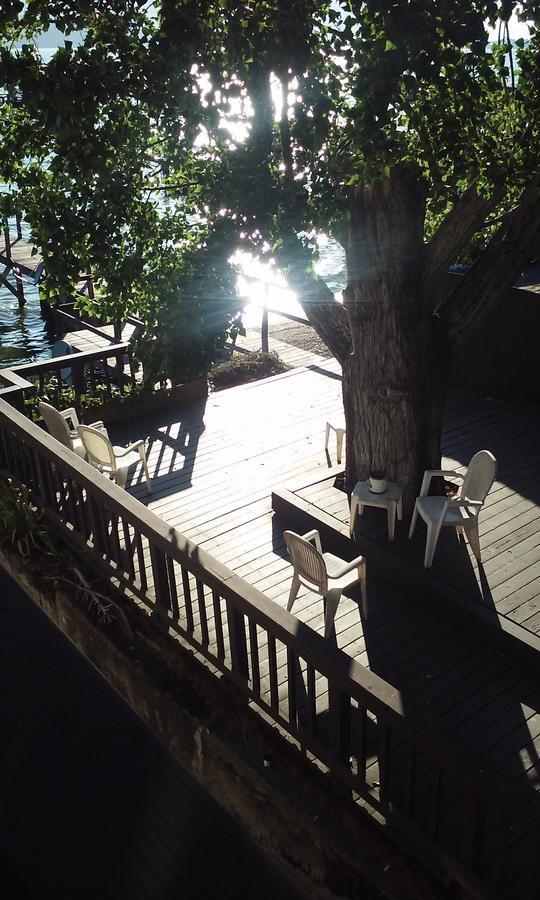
(23,329)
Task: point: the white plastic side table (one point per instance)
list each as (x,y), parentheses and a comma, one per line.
(390,500)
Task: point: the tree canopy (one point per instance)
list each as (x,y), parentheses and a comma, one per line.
(173,132)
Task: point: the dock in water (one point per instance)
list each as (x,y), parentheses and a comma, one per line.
(19,258)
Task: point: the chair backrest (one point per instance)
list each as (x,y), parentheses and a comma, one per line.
(99,449)
(307,561)
(480,476)
(56,424)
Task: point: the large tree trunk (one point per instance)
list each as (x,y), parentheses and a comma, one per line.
(394,388)
(395,380)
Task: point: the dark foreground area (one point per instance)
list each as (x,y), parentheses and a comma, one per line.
(92,804)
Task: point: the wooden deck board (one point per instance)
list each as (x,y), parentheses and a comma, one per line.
(213,471)
(20,255)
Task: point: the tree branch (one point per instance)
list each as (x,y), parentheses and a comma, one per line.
(324,313)
(455,231)
(495,271)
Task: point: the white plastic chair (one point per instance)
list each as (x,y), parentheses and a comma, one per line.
(322,572)
(340,432)
(63,424)
(113,461)
(461,512)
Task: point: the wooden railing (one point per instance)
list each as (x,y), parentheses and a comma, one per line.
(430,791)
(94,373)
(7,233)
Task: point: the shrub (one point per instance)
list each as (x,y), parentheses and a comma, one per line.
(240,369)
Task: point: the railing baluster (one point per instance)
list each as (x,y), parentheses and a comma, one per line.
(361,742)
(292,660)
(340,718)
(129,547)
(312,700)
(171,572)
(272,664)
(187,599)
(45,481)
(202,612)
(237,641)
(161,581)
(384,760)
(254,655)
(78,517)
(100,536)
(116,541)
(69,503)
(120,371)
(141,561)
(107,377)
(216,603)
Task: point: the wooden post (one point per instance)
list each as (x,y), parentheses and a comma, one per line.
(264,322)
(7,240)
(20,288)
(77,373)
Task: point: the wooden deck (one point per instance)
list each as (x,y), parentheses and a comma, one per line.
(86,340)
(213,472)
(20,255)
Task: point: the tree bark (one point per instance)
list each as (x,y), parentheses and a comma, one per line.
(395,380)
(324,313)
(394,387)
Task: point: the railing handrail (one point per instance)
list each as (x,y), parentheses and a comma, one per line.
(13,374)
(346,674)
(95,329)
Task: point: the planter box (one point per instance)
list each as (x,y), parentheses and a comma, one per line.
(123,410)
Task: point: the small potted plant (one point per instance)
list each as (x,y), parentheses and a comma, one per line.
(377,481)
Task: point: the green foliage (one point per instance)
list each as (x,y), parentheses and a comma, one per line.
(131,150)
(200,306)
(21,523)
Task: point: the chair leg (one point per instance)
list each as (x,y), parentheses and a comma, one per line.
(363,586)
(353,514)
(474,540)
(431,542)
(327,436)
(145,467)
(332,599)
(293,593)
(120,476)
(391,517)
(413,520)
(339,442)
(362,580)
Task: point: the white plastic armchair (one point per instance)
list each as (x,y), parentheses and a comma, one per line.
(62,425)
(461,512)
(322,572)
(113,461)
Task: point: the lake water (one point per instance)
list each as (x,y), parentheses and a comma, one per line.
(258,284)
